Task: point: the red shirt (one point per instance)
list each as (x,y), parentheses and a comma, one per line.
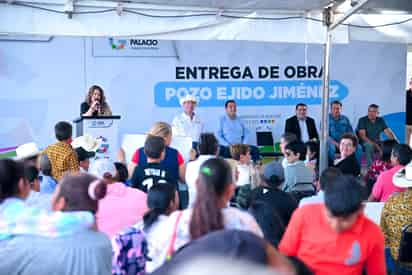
(310,238)
(384,187)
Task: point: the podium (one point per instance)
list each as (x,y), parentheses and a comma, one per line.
(103,128)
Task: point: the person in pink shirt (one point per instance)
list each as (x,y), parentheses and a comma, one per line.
(122,206)
(384,187)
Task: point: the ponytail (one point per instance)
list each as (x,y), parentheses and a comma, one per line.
(159,198)
(215,176)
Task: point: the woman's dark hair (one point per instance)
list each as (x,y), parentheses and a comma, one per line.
(82,192)
(314,148)
(403,153)
(269,221)
(90,94)
(215,176)
(297,147)
(10,174)
(387,146)
(31,173)
(159,198)
(351,137)
(122,173)
(63,130)
(208,144)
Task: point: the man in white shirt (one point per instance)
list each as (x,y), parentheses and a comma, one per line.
(188,124)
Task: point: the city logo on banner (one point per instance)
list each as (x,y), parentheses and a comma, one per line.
(136,44)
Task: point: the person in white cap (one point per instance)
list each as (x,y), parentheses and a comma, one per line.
(28,153)
(188,124)
(396,214)
(122,206)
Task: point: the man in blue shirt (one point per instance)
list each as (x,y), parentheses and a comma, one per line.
(338,125)
(232,131)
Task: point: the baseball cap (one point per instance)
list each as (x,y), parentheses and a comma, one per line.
(273,168)
(102,168)
(83,154)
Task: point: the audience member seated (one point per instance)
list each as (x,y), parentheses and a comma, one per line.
(285,139)
(250,250)
(384,187)
(28,153)
(312,157)
(62,156)
(246,172)
(396,214)
(85,252)
(338,125)
(137,248)
(208,148)
(122,175)
(84,157)
(380,165)
(336,237)
(347,162)
(47,182)
(17,218)
(298,177)
(231,130)
(173,161)
(370,128)
(327,176)
(210,212)
(122,206)
(271,194)
(153,172)
(35,198)
(301,125)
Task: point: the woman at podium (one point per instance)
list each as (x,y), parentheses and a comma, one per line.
(95,103)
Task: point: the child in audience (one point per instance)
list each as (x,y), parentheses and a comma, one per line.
(298,177)
(210,211)
(122,206)
(48,183)
(35,198)
(162,200)
(146,175)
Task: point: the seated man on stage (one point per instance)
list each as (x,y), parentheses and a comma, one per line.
(232,131)
(301,125)
(370,128)
(188,124)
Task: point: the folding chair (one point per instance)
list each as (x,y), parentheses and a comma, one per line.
(405,248)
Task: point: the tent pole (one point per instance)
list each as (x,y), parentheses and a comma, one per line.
(324,135)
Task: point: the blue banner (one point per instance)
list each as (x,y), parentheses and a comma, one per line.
(247,93)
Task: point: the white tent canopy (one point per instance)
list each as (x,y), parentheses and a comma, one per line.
(298,21)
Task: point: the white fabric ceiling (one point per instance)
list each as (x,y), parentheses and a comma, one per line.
(260,20)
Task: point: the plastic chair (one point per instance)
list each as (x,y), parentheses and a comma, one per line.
(405,248)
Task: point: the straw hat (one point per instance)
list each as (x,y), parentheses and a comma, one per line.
(403,178)
(27,150)
(87,142)
(188,98)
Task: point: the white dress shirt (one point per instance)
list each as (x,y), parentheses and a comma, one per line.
(303,130)
(185,126)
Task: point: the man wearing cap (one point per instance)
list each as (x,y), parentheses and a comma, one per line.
(232,131)
(271,194)
(188,124)
(397,213)
(28,153)
(83,156)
